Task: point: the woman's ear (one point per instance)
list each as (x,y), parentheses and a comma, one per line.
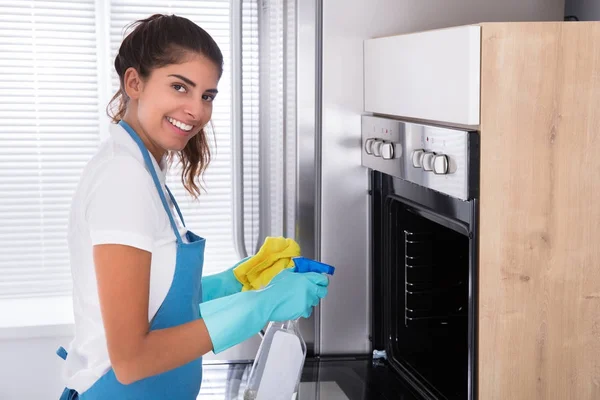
(133,83)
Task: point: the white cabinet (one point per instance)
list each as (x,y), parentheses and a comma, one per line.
(433,75)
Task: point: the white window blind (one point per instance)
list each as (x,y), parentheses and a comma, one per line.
(290,117)
(278,107)
(251,126)
(52,102)
(48,130)
(274,121)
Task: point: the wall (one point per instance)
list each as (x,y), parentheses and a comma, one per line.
(585,10)
(30,368)
(344,236)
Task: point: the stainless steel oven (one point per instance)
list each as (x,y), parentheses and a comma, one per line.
(424,189)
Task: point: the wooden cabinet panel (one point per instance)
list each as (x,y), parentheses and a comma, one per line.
(539,272)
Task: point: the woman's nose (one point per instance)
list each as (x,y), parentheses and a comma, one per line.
(196,110)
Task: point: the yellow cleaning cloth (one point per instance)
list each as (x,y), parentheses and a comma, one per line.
(274,256)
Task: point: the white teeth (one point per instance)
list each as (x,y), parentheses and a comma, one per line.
(180,125)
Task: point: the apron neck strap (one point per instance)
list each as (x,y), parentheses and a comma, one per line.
(152,170)
(175,204)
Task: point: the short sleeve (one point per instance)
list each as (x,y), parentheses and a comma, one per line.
(121,206)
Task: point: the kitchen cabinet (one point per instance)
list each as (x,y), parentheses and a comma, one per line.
(532,91)
(539,269)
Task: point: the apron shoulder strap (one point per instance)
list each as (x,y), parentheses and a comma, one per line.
(150,166)
(176,206)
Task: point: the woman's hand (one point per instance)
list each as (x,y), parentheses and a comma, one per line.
(222,284)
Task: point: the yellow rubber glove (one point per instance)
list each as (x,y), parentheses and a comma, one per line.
(274,256)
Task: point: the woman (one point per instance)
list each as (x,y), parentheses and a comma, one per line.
(137,271)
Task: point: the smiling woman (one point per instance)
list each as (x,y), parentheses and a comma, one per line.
(171,80)
(144,314)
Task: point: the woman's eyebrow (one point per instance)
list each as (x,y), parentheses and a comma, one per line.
(192,83)
(183,78)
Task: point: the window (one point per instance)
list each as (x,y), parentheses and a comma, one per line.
(48,130)
(56,78)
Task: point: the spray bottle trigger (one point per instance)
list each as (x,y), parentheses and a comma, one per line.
(303,264)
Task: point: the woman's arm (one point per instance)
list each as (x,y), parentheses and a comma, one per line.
(123,275)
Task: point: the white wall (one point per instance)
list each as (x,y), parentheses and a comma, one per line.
(30,368)
(585,10)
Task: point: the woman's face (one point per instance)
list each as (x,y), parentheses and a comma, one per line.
(173,104)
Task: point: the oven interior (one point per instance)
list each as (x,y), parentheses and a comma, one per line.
(421,297)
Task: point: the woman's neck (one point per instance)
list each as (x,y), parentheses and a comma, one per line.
(156,151)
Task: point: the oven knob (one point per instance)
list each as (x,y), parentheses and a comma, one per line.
(440,164)
(427,160)
(391,150)
(376,147)
(369,146)
(416,158)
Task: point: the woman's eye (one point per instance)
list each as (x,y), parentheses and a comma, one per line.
(208,97)
(179,88)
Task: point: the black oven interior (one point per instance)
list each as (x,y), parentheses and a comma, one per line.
(423,267)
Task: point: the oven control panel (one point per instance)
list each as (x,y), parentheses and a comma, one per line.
(427,155)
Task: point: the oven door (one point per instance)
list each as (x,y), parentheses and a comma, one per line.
(424,267)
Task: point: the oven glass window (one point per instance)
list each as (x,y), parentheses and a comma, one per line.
(426,276)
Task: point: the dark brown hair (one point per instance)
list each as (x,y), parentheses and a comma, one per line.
(155,42)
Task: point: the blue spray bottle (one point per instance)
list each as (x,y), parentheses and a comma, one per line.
(277,368)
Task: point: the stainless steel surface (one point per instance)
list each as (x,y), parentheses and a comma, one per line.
(318,154)
(430,147)
(308,101)
(236,129)
(285,133)
(318,134)
(345,312)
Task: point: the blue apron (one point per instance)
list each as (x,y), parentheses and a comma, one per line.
(179,307)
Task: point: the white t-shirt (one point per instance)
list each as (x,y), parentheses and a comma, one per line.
(116,202)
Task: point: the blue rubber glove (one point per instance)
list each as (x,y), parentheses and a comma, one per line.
(231,320)
(220,285)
